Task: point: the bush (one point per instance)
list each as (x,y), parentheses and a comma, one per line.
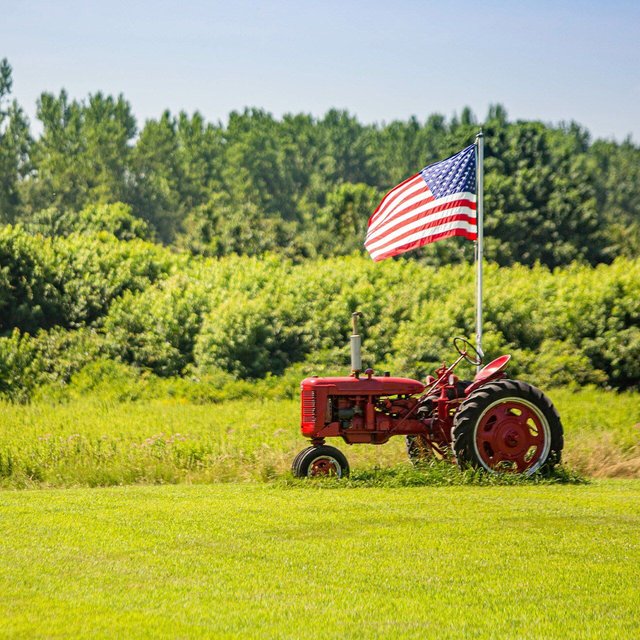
(572,326)
(250,338)
(51,357)
(175,314)
(115,219)
(69,282)
(157,328)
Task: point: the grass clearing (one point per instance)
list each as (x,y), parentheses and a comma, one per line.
(237,561)
(92,442)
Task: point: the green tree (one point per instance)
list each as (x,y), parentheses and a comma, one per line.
(222,227)
(540,197)
(158,176)
(116,219)
(256,164)
(618,196)
(82,156)
(177,165)
(15,144)
(340,226)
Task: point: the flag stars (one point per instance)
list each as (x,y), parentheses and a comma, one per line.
(455,175)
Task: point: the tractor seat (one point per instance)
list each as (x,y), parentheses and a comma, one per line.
(487,372)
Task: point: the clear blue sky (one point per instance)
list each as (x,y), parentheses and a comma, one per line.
(380,60)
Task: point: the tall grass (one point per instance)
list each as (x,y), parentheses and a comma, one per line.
(96,442)
(602,431)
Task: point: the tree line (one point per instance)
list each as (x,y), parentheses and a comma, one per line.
(302,186)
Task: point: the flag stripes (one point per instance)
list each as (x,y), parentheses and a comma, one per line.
(468,232)
(410,218)
(410,188)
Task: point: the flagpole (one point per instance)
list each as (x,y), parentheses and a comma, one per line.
(479,242)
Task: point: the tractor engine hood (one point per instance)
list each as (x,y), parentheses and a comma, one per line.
(376,385)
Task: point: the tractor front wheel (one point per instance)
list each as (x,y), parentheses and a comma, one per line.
(320,461)
(507,426)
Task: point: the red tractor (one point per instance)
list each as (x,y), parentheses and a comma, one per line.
(490,422)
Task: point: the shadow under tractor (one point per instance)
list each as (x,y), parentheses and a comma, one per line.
(490,422)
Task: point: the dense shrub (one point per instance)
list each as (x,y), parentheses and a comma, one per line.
(50,357)
(66,301)
(577,325)
(46,282)
(249,338)
(157,328)
(115,219)
(29,297)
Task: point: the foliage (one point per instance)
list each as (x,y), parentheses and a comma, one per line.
(272,214)
(116,219)
(15,144)
(157,328)
(82,156)
(619,166)
(340,225)
(304,186)
(219,227)
(252,317)
(69,282)
(51,357)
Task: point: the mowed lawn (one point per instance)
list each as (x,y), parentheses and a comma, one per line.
(260,561)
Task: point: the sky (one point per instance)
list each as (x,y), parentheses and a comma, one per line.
(551,61)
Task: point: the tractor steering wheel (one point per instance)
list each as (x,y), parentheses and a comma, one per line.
(463,347)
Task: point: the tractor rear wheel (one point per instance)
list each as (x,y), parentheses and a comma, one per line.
(508,426)
(320,461)
(418,449)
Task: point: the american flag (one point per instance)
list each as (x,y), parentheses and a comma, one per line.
(439,202)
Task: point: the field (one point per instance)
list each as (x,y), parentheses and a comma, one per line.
(101,442)
(237,561)
(166,284)
(236,548)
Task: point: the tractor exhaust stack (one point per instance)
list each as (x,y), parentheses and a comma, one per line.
(356,356)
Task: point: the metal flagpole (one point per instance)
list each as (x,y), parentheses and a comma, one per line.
(480,221)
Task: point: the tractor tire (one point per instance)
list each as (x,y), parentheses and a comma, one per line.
(294,464)
(418,449)
(320,461)
(507,426)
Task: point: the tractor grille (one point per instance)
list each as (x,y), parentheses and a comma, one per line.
(308,406)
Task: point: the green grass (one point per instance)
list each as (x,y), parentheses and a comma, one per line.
(432,473)
(100,443)
(238,561)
